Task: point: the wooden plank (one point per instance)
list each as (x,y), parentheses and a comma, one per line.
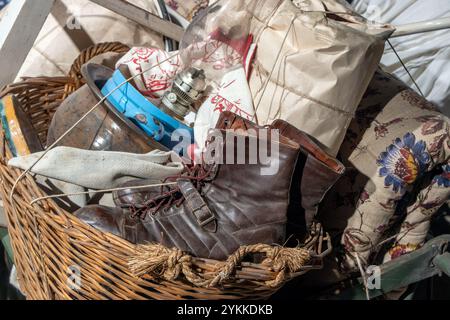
(79,37)
(20,27)
(143,17)
(421,27)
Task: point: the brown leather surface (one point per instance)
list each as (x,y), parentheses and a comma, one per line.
(315,174)
(308,145)
(100,217)
(229,120)
(319,174)
(250,209)
(197,206)
(136,197)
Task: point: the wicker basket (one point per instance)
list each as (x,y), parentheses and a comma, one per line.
(50,244)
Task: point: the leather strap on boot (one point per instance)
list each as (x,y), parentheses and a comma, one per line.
(205,218)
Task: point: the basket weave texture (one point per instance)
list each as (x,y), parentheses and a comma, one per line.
(59,257)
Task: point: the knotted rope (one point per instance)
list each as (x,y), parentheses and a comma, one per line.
(171,264)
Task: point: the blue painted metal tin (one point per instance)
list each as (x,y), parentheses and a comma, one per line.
(148,117)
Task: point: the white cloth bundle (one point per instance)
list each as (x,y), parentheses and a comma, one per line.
(155,81)
(233,94)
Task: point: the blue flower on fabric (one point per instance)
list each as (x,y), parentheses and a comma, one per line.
(403,162)
(443,180)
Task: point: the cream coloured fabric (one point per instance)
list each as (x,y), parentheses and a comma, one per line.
(322,70)
(54,51)
(100,169)
(71,171)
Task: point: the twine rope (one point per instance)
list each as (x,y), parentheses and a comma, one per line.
(171,264)
(266,84)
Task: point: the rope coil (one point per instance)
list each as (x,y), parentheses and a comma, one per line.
(171,264)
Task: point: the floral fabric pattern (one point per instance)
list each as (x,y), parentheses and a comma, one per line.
(402,249)
(416,100)
(397,151)
(403,161)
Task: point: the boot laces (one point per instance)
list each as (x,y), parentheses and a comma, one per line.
(199,175)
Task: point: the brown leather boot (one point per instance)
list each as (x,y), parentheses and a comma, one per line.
(315,174)
(215,209)
(136,194)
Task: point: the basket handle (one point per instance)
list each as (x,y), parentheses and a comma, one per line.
(87,54)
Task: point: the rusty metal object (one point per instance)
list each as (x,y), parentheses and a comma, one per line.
(104,129)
